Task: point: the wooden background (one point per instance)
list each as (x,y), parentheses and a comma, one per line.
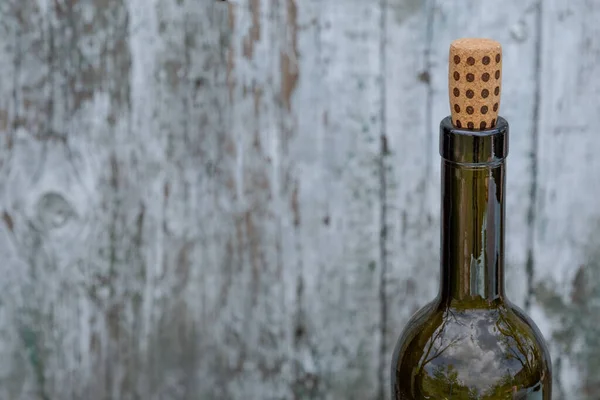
(240,200)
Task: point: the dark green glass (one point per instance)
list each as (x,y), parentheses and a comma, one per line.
(470,342)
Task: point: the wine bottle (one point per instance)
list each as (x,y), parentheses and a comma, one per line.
(471,342)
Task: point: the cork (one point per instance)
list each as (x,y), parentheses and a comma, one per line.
(474,82)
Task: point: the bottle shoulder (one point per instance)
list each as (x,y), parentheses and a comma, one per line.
(425,316)
(481,351)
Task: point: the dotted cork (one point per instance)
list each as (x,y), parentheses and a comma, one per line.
(474,82)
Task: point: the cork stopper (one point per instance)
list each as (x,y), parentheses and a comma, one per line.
(474,82)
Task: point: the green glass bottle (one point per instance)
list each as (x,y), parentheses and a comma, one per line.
(471,342)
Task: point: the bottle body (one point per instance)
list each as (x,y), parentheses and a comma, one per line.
(471,351)
(471,342)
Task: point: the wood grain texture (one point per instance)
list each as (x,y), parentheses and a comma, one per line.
(337,201)
(408,152)
(227,200)
(566,221)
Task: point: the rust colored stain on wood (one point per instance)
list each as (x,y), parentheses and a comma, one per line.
(8,220)
(289,57)
(253,35)
(231,55)
(253,239)
(258,91)
(166,190)
(3,120)
(183,265)
(295,205)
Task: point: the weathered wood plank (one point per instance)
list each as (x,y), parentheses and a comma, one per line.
(70,89)
(216,104)
(251,335)
(567,214)
(410,235)
(335,159)
(15,368)
(302,211)
(174,176)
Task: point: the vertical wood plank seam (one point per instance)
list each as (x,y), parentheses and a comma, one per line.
(383,259)
(531,213)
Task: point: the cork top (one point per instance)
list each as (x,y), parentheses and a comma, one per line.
(474,82)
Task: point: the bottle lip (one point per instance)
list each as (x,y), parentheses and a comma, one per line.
(464,146)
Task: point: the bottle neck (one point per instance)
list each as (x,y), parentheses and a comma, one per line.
(472,231)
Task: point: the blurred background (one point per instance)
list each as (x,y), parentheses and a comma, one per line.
(239,199)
